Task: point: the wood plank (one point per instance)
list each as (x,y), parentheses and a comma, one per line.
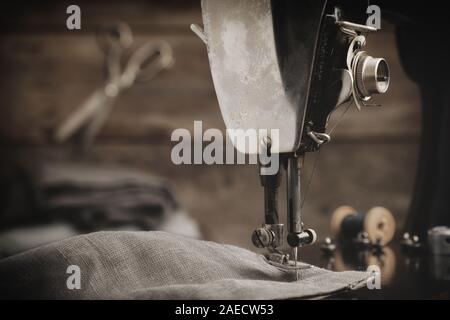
(152,16)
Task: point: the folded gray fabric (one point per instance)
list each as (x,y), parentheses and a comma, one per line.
(85,198)
(96,198)
(159,265)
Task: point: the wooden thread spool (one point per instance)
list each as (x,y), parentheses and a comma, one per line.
(378,223)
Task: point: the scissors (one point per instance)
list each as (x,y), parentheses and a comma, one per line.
(143,65)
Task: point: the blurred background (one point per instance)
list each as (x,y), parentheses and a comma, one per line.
(48,71)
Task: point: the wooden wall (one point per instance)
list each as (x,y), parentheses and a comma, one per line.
(47,71)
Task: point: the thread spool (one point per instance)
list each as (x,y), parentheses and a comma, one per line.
(378,223)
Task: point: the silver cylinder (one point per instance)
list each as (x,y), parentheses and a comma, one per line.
(439,240)
(308,236)
(372,75)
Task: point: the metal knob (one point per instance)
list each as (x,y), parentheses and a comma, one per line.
(308,236)
(372,75)
(263,237)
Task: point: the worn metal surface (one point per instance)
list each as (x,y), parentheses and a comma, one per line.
(260,70)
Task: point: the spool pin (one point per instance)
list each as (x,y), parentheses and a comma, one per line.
(378,223)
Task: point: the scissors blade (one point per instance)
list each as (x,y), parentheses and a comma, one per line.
(82,115)
(97,122)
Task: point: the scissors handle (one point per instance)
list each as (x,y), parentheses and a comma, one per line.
(147,61)
(113,39)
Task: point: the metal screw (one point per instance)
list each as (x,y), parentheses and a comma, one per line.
(328,246)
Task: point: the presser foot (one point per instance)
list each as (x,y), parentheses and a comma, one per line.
(284,261)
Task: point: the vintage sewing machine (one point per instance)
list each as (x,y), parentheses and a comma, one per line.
(287,65)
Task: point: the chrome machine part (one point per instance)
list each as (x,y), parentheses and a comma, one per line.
(353,29)
(372,74)
(319,138)
(342,71)
(269,236)
(439,240)
(297,236)
(354,74)
(369,75)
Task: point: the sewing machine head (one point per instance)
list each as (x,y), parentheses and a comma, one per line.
(286,65)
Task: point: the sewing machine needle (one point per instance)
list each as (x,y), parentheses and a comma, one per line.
(295,263)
